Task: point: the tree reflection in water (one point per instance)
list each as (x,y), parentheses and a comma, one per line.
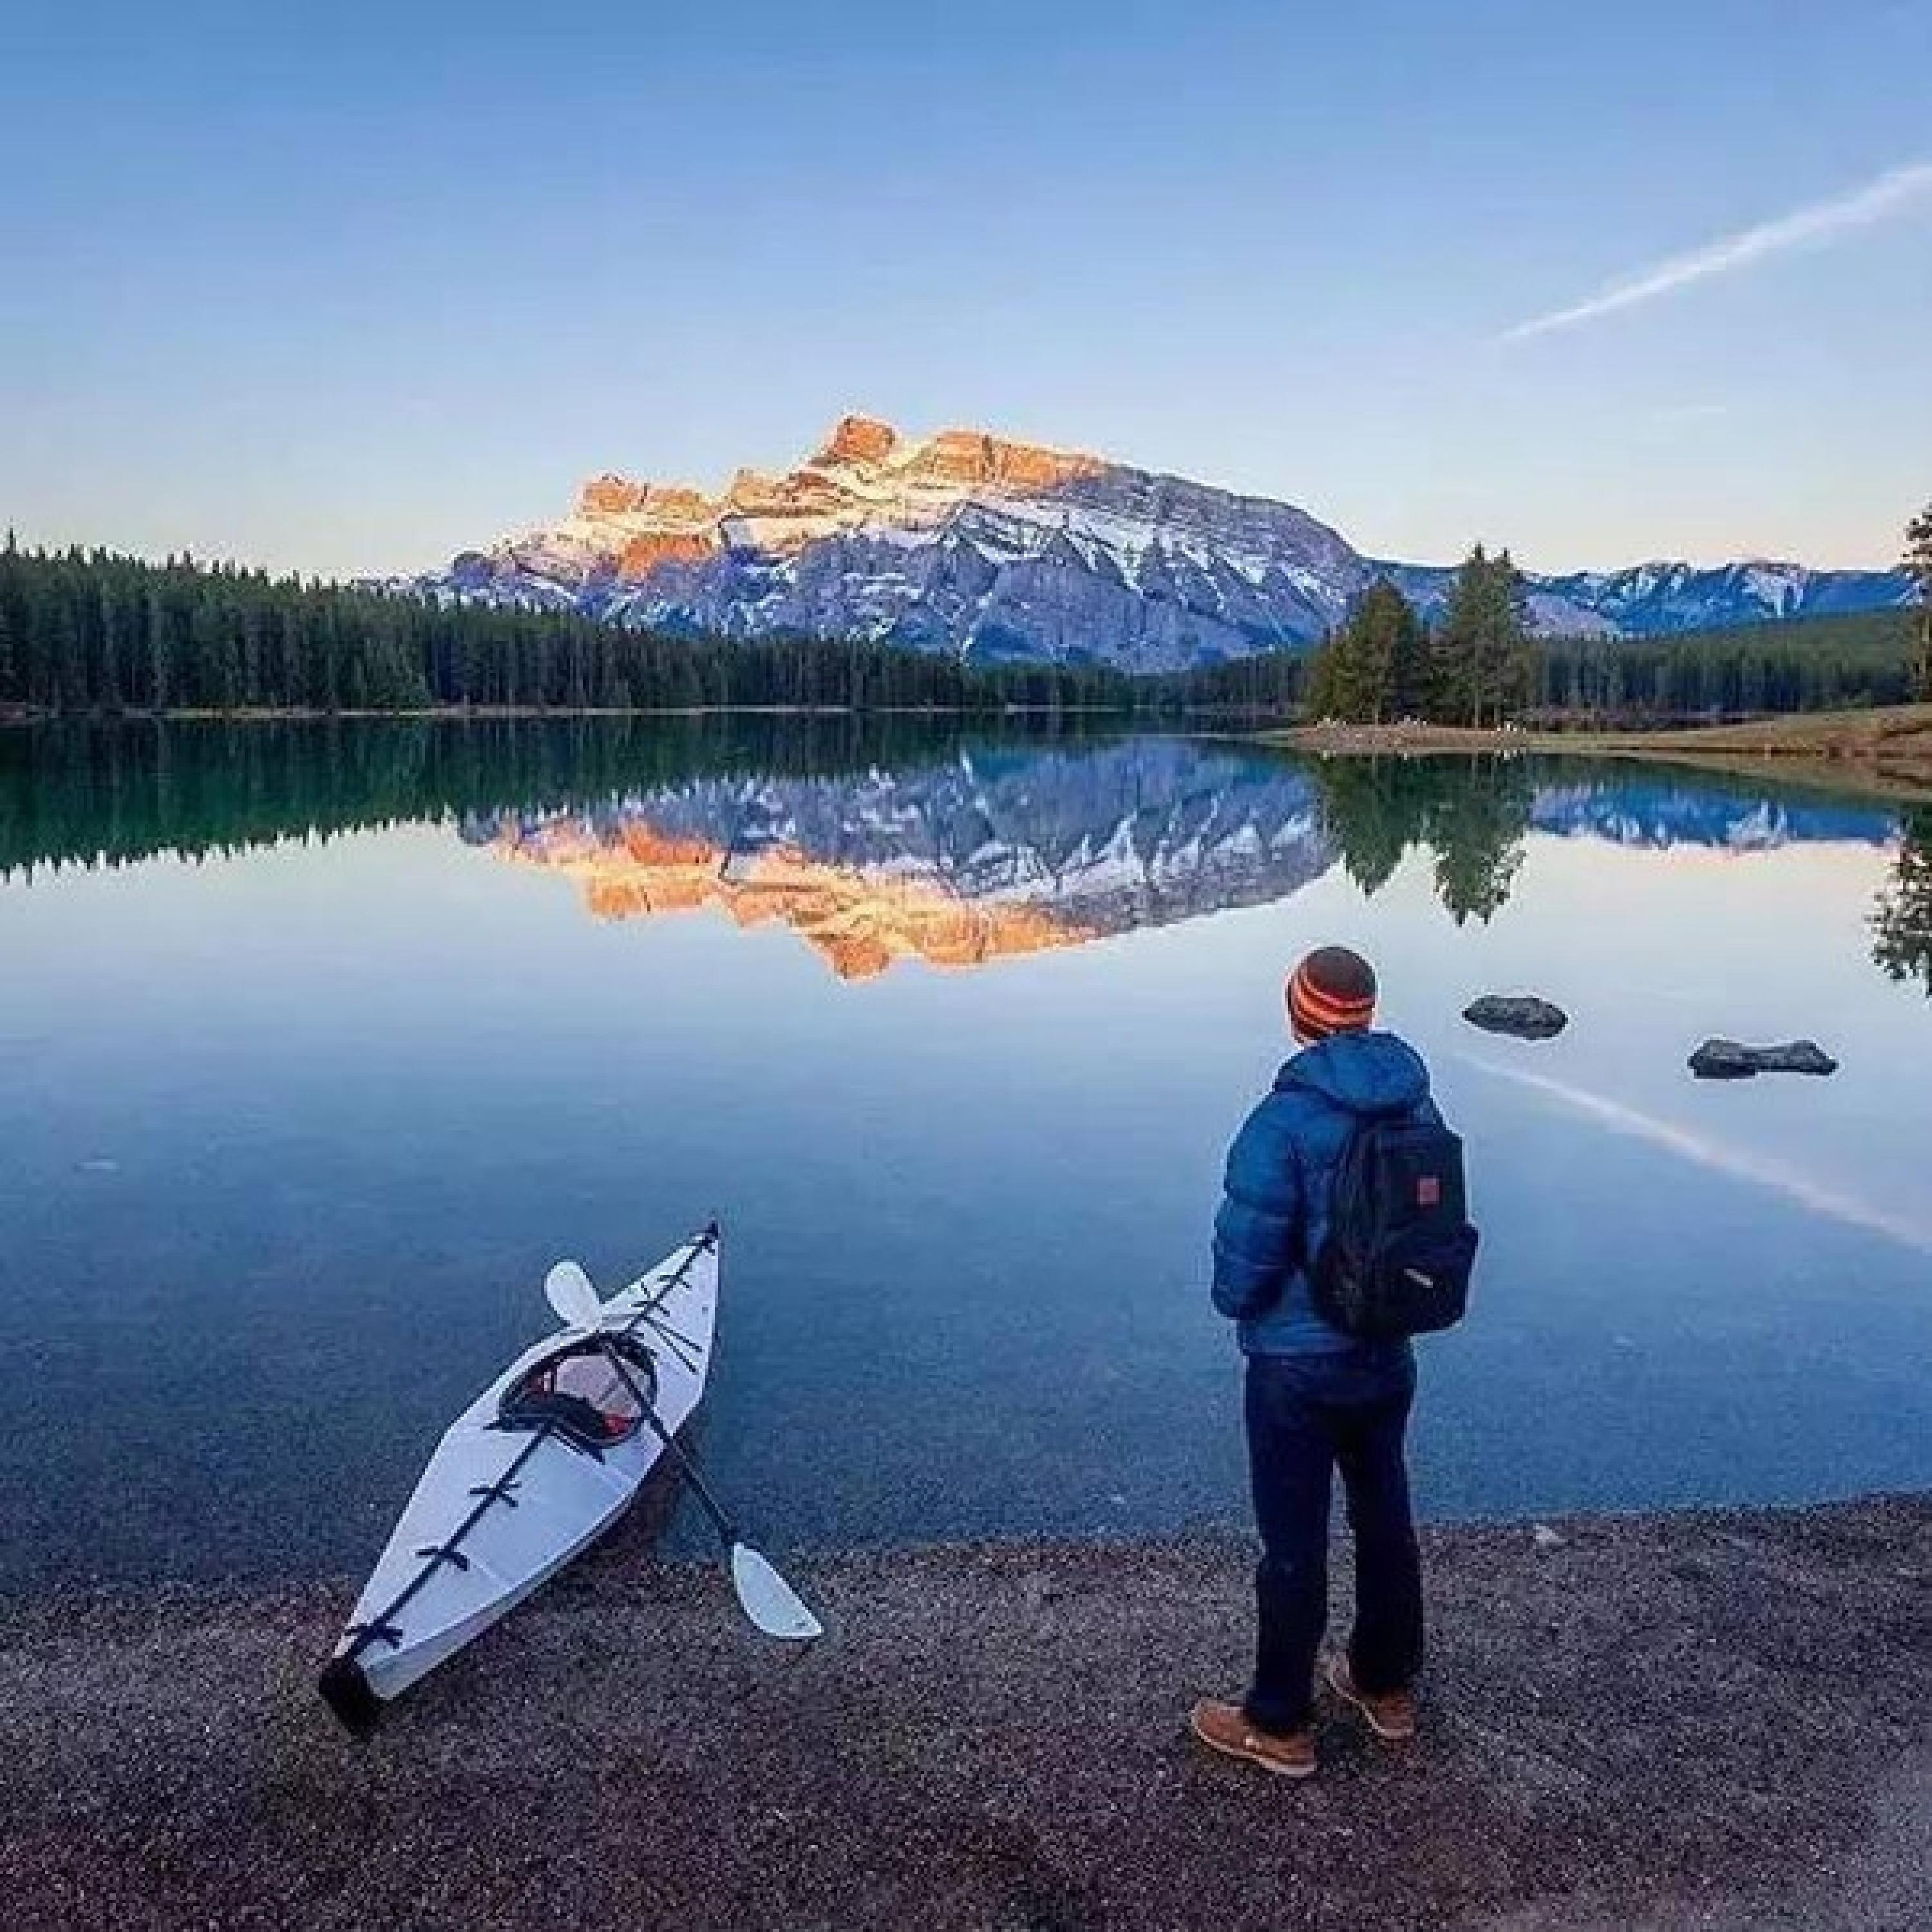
(1473,813)
(1902,923)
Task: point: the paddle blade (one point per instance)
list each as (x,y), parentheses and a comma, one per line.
(567,1290)
(769,1600)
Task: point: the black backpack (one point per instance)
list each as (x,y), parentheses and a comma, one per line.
(1399,1249)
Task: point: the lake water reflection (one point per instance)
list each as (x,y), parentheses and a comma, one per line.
(318,1043)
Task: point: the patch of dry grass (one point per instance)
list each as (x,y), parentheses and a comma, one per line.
(1881,753)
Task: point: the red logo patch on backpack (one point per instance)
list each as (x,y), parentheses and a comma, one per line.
(1428,1190)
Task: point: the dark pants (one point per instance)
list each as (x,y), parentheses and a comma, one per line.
(1307,1416)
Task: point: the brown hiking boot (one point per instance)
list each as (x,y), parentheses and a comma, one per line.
(1225,1728)
(1391,1715)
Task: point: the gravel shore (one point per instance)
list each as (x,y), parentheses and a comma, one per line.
(1699,1720)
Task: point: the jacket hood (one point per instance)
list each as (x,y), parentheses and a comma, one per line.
(1365,1073)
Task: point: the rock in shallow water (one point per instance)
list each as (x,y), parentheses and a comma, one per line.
(1726,1059)
(1526,1017)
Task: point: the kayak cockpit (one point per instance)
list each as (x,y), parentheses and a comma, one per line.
(576,1392)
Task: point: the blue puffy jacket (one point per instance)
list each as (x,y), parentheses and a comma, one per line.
(1281,1178)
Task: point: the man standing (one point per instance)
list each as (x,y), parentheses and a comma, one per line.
(1318,1398)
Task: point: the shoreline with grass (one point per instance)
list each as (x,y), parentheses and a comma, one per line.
(1885,752)
(1643,1720)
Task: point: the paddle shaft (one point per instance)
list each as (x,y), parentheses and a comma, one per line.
(713,1508)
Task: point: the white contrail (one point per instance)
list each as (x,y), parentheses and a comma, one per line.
(1734,1161)
(1893,193)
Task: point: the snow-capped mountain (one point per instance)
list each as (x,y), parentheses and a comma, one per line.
(968,542)
(1653,599)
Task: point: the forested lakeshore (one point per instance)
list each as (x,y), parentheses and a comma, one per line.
(1482,665)
(94,634)
(1803,663)
(1800,664)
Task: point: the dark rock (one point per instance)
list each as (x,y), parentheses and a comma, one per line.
(1726,1059)
(1526,1017)
(472,570)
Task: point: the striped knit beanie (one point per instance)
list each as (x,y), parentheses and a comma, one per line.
(1332,991)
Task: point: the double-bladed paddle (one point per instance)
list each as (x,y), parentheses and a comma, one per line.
(764,1596)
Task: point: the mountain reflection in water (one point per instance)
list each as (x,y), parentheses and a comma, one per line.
(981,858)
(883,840)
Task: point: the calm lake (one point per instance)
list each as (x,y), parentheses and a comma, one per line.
(318,1044)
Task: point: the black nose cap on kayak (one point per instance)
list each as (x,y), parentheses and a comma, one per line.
(345,1691)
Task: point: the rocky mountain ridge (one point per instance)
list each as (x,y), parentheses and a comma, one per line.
(967,542)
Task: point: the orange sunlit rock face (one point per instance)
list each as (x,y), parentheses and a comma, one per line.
(860,924)
(972,459)
(641,555)
(678,503)
(859,440)
(749,488)
(864,475)
(611,496)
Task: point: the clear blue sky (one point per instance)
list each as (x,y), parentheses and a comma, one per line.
(347,288)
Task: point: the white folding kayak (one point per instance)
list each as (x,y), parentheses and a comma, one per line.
(535,1469)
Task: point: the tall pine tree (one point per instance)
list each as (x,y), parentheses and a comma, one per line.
(1917,564)
(1374,668)
(1483,662)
